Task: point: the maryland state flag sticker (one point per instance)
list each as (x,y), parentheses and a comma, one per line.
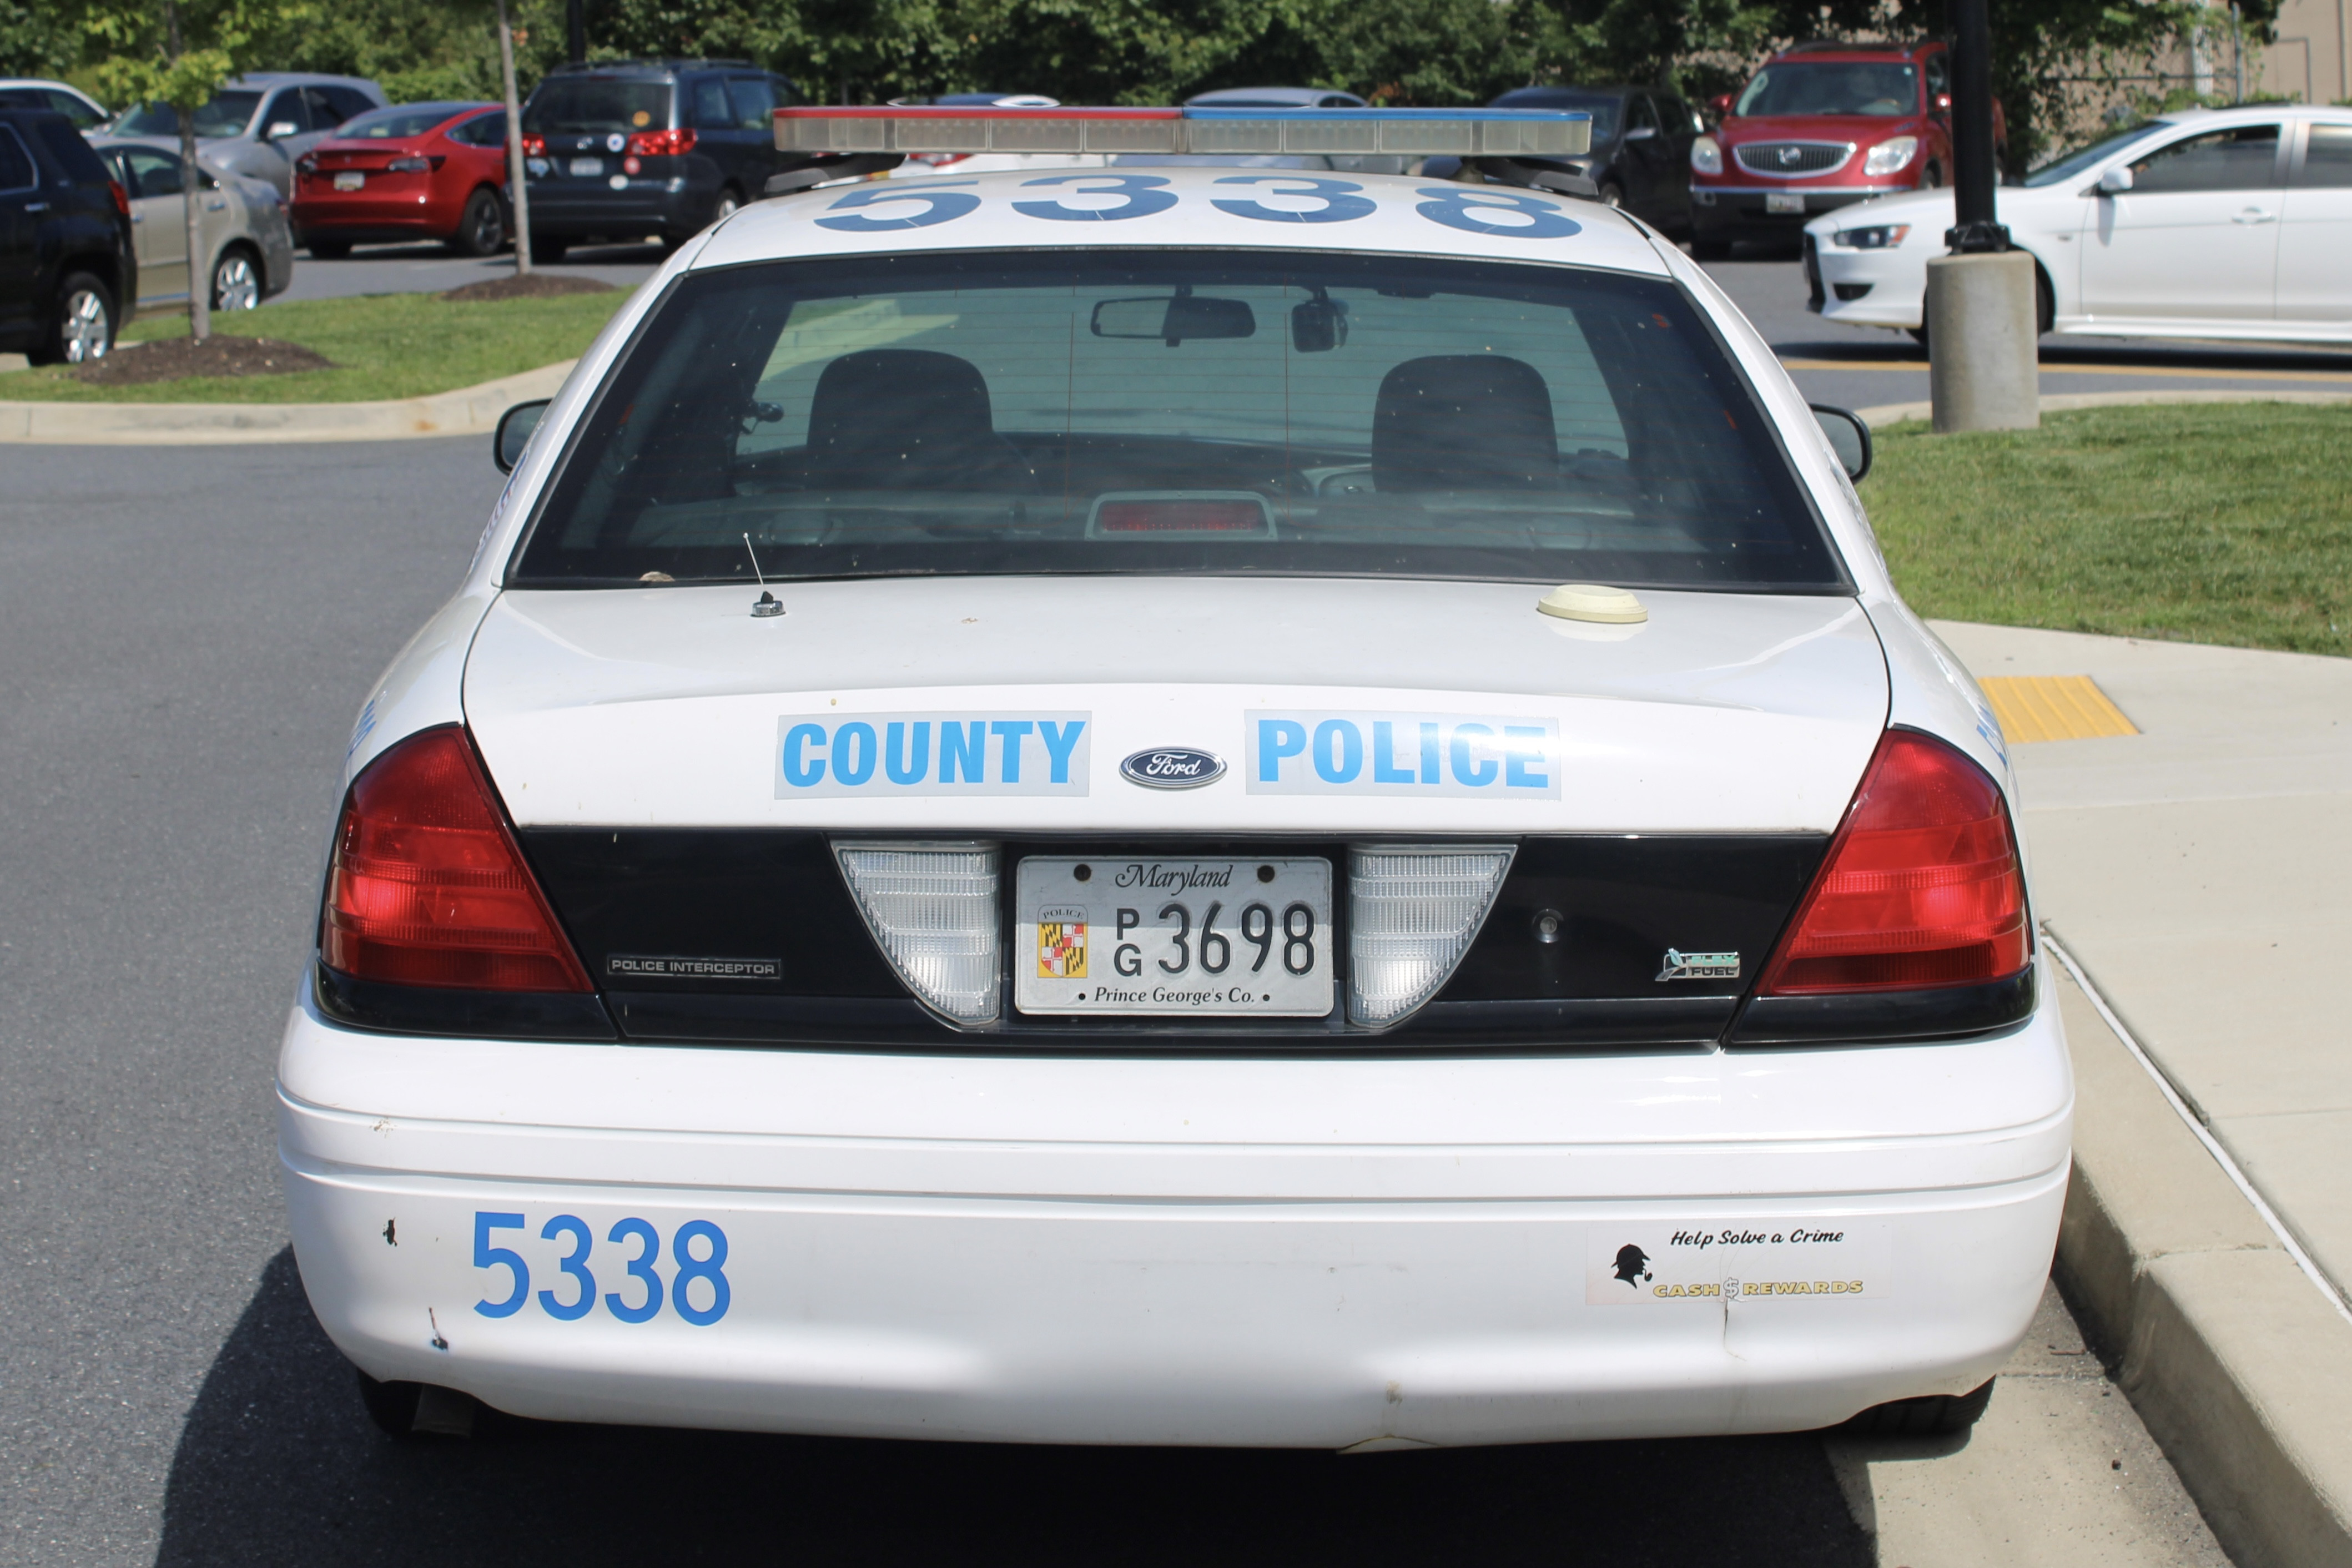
(1061,944)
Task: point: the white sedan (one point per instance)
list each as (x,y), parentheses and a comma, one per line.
(2228,223)
(1195,807)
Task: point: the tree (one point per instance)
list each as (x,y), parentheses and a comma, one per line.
(152,57)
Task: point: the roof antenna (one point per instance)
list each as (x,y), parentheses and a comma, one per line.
(768,603)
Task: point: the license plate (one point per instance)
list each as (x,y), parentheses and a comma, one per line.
(351,182)
(1783,201)
(587,166)
(1122,935)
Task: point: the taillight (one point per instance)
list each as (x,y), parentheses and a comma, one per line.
(1921,886)
(411,165)
(661,143)
(427,886)
(534,146)
(306,164)
(122,197)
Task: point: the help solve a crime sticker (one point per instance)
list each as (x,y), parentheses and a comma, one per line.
(1809,1259)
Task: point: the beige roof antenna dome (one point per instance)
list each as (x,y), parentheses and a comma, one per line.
(1593,601)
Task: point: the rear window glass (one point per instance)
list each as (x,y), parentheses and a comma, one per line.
(563,107)
(1174,411)
(409,119)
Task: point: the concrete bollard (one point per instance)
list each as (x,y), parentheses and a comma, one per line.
(1984,368)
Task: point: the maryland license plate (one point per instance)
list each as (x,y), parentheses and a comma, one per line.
(1120,935)
(587,167)
(349,181)
(1783,201)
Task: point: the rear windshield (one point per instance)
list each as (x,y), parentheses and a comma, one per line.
(224,115)
(398,124)
(1833,86)
(1176,411)
(561,108)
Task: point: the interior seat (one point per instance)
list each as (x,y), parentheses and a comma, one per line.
(1463,421)
(908,419)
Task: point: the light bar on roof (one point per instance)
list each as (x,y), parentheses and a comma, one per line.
(1467,132)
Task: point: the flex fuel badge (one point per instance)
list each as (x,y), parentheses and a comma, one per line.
(1820,1261)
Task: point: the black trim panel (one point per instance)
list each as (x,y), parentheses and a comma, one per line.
(429,1010)
(1882,1017)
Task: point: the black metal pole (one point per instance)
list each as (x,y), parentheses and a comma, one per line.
(575,30)
(1975,176)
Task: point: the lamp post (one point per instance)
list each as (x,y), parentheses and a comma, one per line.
(1983,317)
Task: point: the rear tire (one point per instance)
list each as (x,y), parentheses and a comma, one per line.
(81,323)
(237,280)
(482,230)
(1711,250)
(329,249)
(1935,1416)
(547,250)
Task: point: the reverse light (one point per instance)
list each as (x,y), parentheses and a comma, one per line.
(933,909)
(1412,912)
(1877,236)
(1891,156)
(661,143)
(1921,887)
(1707,156)
(427,886)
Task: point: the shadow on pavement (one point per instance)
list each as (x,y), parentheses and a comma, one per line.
(276,1463)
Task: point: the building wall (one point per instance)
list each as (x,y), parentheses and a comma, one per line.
(2309,60)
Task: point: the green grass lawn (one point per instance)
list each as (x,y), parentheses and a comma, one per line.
(383,346)
(2207,523)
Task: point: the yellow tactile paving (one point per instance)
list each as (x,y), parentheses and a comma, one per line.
(2053,707)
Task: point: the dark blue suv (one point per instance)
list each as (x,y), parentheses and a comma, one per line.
(619,151)
(69,274)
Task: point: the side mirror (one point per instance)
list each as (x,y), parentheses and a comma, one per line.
(515,429)
(1720,104)
(1943,103)
(1642,133)
(279,128)
(2118,178)
(1849,438)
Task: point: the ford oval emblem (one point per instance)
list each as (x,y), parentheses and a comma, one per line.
(1173,768)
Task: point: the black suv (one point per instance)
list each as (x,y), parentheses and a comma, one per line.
(68,276)
(621,150)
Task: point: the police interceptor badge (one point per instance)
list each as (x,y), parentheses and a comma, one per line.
(1173,768)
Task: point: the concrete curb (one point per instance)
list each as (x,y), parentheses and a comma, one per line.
(2234,1357)
(1888,413)
(467,411)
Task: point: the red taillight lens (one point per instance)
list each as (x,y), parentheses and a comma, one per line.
(413,164)
(122,197)
(428,888)
(661,143)
(1921,886)
(534,146)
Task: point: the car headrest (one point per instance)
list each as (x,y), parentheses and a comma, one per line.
(901,419)
(1463,421)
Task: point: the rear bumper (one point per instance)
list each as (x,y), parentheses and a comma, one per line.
(581,210)
(1264,1253)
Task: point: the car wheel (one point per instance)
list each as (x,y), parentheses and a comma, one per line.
(547,250)
(1931,178)
(2046,303)
(236,282)
(81,325)
(1937,1415)
(329,249)
(728,203)
(1711,250)
(482,231)
(1613,194)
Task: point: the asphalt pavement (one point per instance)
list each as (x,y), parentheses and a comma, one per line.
(185,634)
(431,268)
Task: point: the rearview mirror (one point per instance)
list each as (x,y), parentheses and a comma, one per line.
(2118,178)
(1175,318)
(515,428)
(1849,438)
(1318,325)
(279,128)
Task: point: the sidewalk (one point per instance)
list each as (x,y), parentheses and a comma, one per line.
(473,410)
(2200,873)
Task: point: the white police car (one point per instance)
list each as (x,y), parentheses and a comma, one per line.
(1194,807)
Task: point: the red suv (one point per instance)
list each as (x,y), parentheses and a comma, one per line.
(1819,126)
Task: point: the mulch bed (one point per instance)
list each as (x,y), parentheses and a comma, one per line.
(174,358)
(526,286)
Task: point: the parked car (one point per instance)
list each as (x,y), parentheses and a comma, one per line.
(31,92)
(248,245)
(422,171)
(1639,159)
(626,149)
(1275,98)
(69,271)
(1821,126)
(259,123)
(2229,223)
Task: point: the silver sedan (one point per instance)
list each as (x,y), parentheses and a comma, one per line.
(248,247)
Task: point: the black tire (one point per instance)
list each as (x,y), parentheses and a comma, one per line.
(82,323)
(1710,250)
(1919,336)
(1931,178)
(547,250)
(2045,305)
(329,249)
(1935,1416)
(482,228)
(391,1405)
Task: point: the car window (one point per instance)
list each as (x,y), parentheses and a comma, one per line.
(1939,74)
(82,115)
(347,101)
(1639,114)
(2098,152)
(70,153)
(2243,158)
(287,108)
(151,174)
(325,113)
(709,110)
(1882,89)
(1050,411)
(16,172)
(2328,156)
(225,114)
(482,130)
(568,104)
(754,101)
(393,124)
(1603,107)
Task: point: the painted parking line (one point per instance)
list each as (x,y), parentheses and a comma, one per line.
(2053,707)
